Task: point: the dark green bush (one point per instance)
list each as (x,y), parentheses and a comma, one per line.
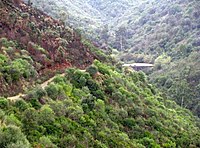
(3,103)
(92,70)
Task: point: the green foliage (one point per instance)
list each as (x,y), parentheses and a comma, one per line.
(46,142)
(5,43)
(11,136)
(3,59)
(142,77)
(12,67)
(92,70)
(148,142)
(100,54)
(16,69)
(78,78)
(163,59)
(3,103)
(121,111)
(52,91)
(38,48)
(156,32)
(12,120)
(179,80)
(21,105)
(104,69)
(25,15)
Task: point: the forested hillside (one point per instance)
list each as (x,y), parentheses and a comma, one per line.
(93,102)
(33,45)
(180,80)
(145,26)
(99,107)
(152,31)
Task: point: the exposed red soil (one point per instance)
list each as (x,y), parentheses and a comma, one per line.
(32,28)
(39,28)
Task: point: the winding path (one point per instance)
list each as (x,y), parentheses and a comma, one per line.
(43,85)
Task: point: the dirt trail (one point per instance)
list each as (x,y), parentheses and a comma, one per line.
(43,85)
(15,98)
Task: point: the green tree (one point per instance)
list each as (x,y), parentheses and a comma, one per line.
(46,142)
(92,70)
(3,103)
(12,136)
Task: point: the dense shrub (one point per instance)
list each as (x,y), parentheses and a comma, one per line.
(92,70)
(17,69)
(3,103)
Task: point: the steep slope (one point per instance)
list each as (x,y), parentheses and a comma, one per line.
(77,13)
(147,26)
(159,27)
(102,106)
(110,10)
(145,29)
(181,80)
(89,16)
(99,107)
(167,34)
(32,44)
(152,31)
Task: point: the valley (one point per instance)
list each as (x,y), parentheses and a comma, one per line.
(99,74)
(163,33)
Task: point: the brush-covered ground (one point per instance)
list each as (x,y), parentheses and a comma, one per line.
(97,104)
